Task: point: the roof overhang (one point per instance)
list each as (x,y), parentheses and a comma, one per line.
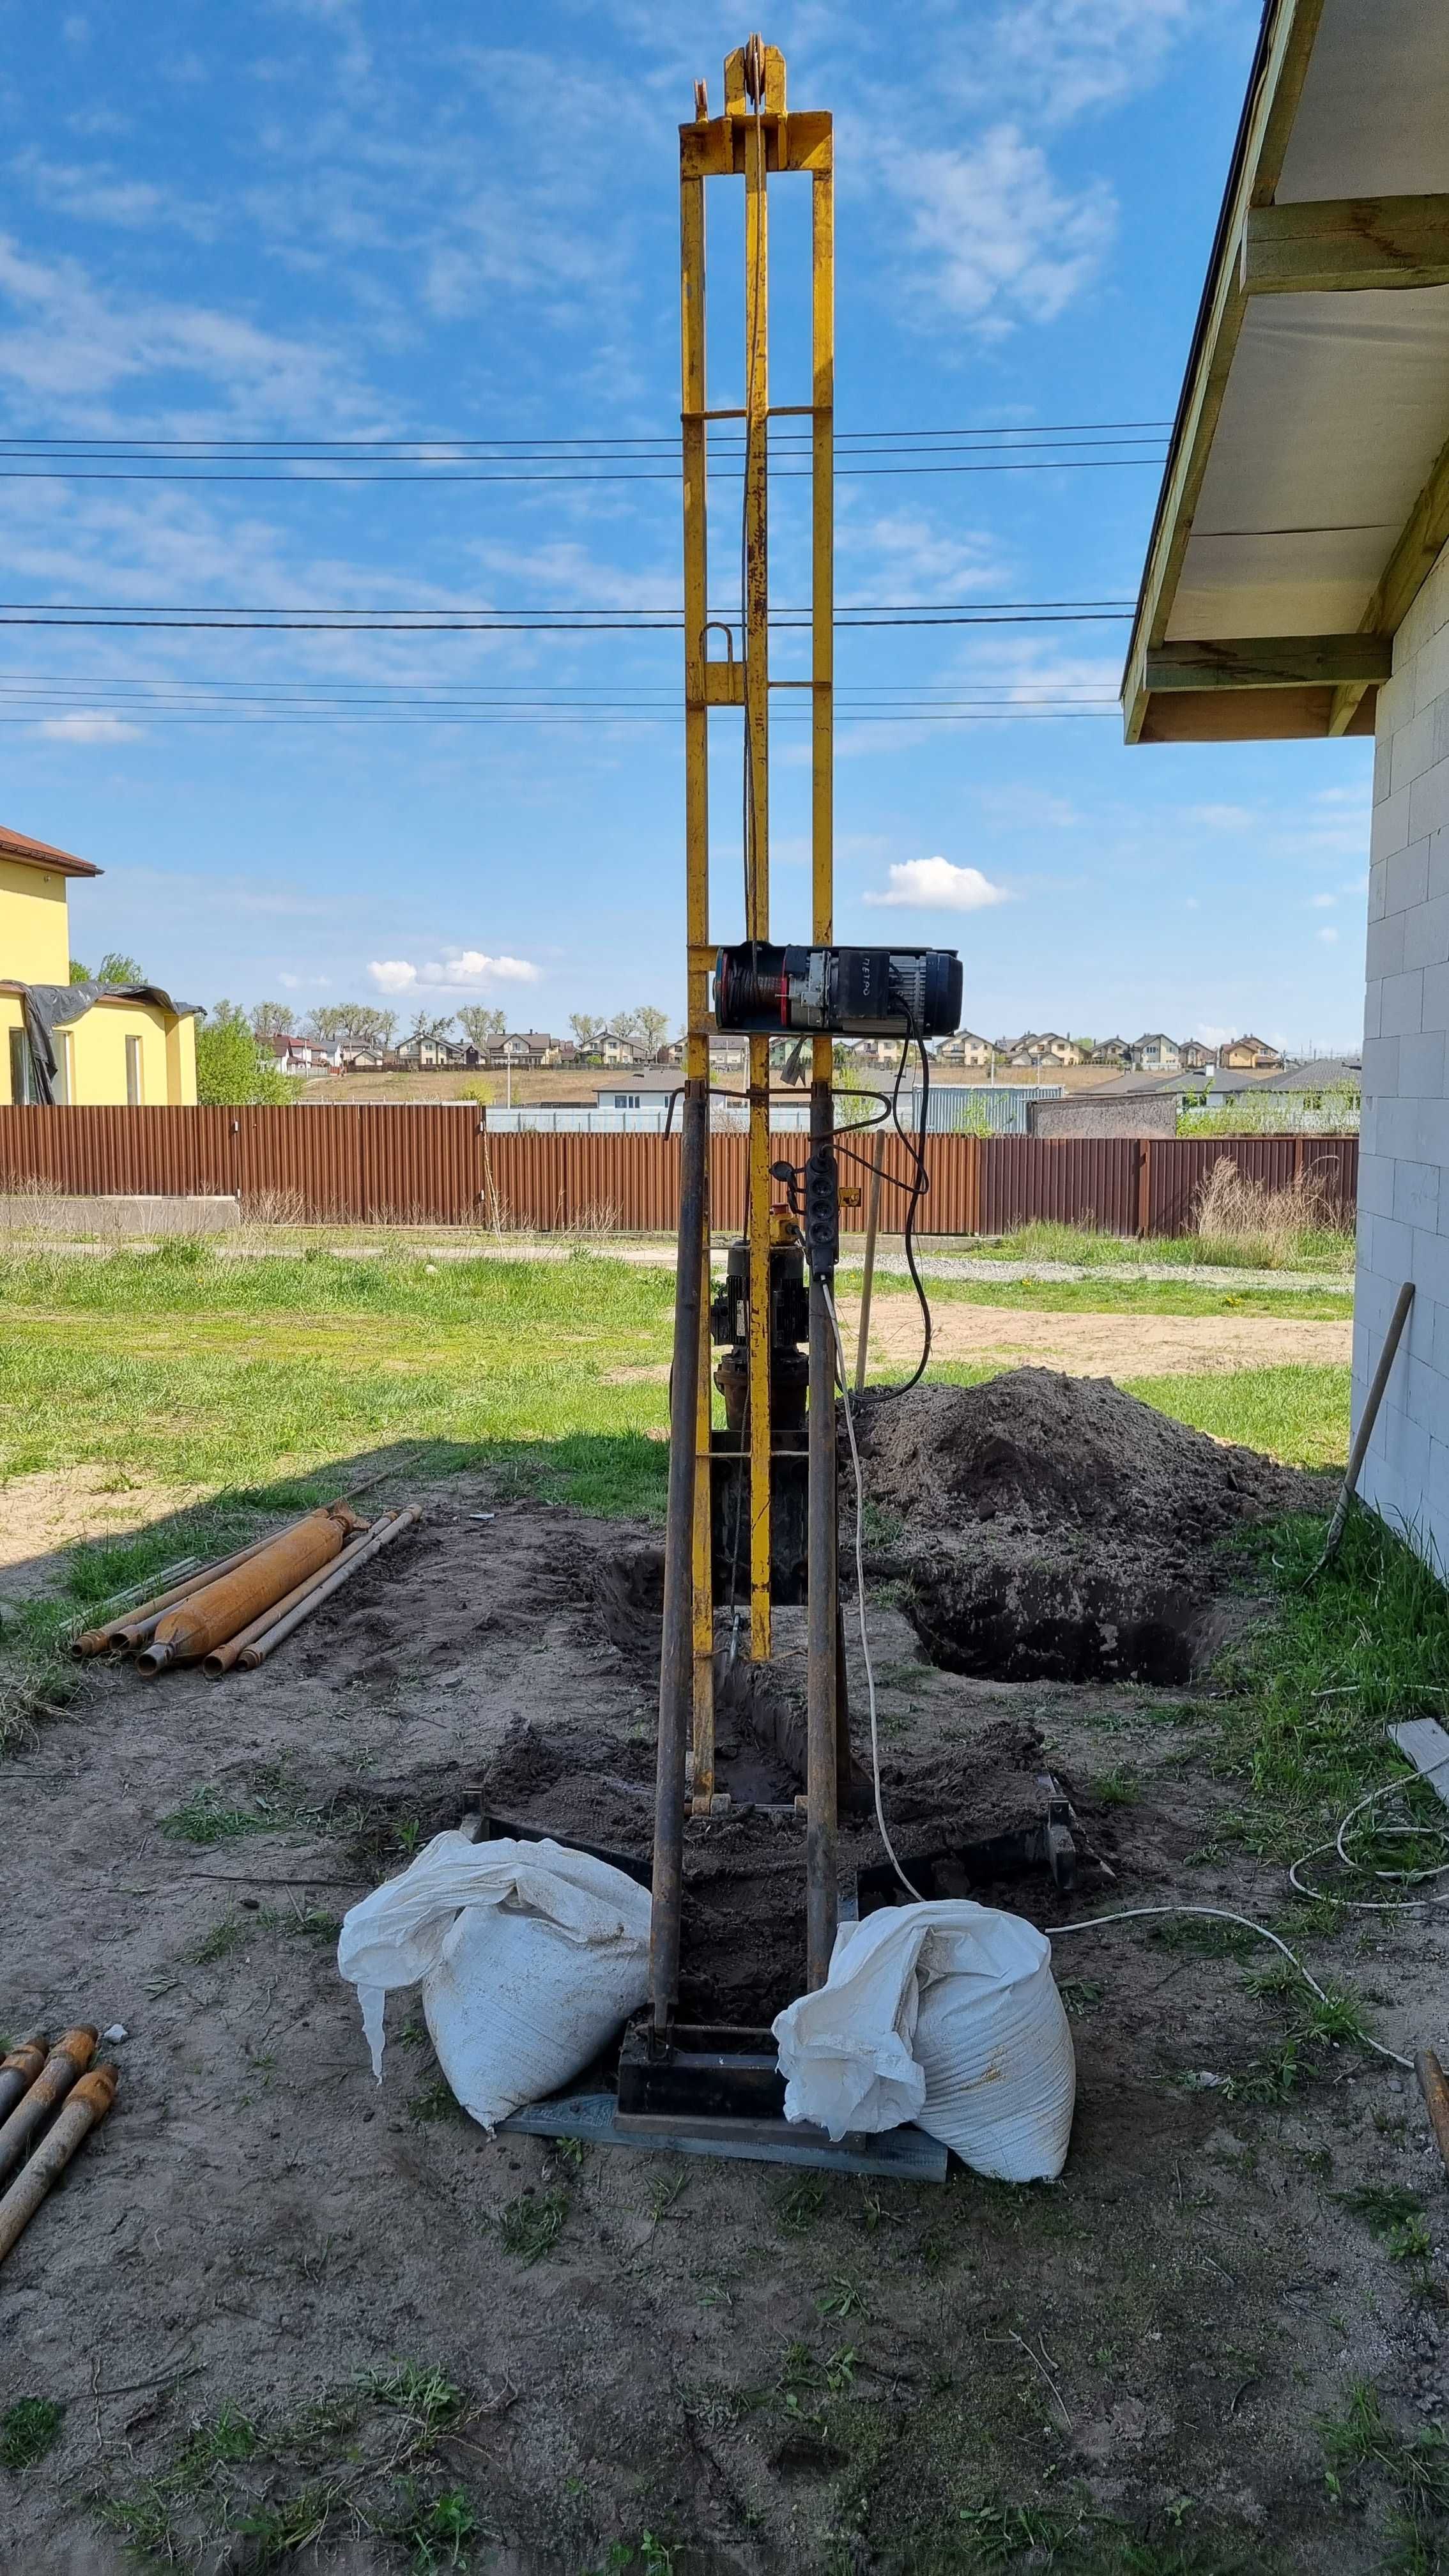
(1306,493)
(18,846)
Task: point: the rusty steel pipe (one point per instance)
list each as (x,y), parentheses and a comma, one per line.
(88,2104)
(69,2058)
(19,2069)
(223,1657)
(207,1618)
(260,1647)
(138,1622)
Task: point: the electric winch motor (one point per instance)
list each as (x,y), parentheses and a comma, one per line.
(853,992)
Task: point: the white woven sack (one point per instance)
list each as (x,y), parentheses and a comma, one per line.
(530,1957)
(946,2014)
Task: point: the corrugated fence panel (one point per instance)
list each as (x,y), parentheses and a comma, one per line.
(425,1167)
(438,1165)
(82,1152)
(285,1172)
(1178,1169)
(1074,1180)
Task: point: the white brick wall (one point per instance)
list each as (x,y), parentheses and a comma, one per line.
(1403,1201)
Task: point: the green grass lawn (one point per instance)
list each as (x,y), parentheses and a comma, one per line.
(189,1369)
(1310,1248)
(1103,1294)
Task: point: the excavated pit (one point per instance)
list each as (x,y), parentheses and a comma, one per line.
(1051,1626)
(1052,1528)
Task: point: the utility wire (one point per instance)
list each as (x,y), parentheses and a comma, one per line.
(75,617)
(607,474)
(621,439)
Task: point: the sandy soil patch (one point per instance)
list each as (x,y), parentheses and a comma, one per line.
(742,2366)
(43,1515)
(1101,1345)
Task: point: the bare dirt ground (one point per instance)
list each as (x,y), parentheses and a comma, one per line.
(723,2362)
(1090,1345)
(45,1514)
(1082,1344)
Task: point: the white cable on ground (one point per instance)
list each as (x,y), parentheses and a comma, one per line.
(1131,1913)
(1377,1904)
(1220,1914)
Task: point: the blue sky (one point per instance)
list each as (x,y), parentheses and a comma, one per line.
(318,220)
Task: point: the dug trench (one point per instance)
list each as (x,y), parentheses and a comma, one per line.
(750,2370)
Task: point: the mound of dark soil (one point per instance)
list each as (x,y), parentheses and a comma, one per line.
(1043,1451)
(1054,1528)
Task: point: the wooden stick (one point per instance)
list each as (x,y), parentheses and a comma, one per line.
(1436,2097)
(1364,1433)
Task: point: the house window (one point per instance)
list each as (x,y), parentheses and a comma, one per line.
(628,1100)
(24,1089)
(133,1073)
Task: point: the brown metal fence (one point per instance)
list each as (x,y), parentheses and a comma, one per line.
(438,1165)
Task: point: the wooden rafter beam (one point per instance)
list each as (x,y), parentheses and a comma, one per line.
(1328,245)
(1272,662)
(1286,48)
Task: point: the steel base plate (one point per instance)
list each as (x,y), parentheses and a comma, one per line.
(907,2155)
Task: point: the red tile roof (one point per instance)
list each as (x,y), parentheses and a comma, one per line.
(40,854)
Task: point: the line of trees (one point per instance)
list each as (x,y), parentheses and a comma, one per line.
(647,1026)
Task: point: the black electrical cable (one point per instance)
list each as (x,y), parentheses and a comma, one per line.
(920,1184)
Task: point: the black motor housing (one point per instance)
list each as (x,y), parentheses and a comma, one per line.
(852,992)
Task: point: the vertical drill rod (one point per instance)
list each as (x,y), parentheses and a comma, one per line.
(676,1674)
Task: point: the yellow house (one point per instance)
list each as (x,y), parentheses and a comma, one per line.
(89,1044)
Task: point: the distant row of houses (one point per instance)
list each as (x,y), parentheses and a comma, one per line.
(1153,1052)
(535,1050)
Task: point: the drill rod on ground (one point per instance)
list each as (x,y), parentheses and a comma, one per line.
(676,1669)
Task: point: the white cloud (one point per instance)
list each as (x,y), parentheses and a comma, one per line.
(1007,242)
(1329,938)
(1322,902)
(1191,904)
(96,194)
(81,727)
(1071,56)
(461,970)
(1220,818)
(1029,806)
(70,340)
(903,549)
(940,885)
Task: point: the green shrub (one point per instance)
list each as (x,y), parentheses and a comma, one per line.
(231,1069)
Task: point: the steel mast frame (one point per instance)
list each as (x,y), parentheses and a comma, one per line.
(754,139)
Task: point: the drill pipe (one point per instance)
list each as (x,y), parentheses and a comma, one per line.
(260,1647)
(221,1658)
(69,2058)
(134,1626)
(676,1659)
(88,2104)
(19,2070)
(207,1618)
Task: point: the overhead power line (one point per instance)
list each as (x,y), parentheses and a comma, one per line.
(654,439)
(106,618)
